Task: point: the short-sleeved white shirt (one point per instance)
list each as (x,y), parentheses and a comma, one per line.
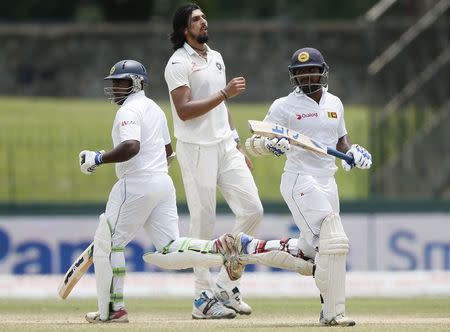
(204,77)
(141,119)
(323,122)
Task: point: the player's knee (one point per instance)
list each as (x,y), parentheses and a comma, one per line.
(332,238)
(102,239)
(253,219)
(258,213)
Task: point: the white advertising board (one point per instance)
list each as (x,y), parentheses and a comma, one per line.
(387,242)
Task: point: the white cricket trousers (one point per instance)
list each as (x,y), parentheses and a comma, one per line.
(147,202)
(135,203)
(204,169)
(310,199)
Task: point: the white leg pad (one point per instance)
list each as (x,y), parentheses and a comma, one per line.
(183,260)
(330,267)
(102,264)
(281,260)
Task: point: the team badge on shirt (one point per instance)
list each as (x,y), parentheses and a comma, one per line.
(219,66)
(332,115)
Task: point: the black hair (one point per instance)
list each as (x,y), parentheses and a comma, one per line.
(180,22)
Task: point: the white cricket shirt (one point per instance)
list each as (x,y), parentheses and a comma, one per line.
(141,119)
(323,122)
(204,77)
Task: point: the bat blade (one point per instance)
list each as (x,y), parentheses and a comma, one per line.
(273,130)
(76,271)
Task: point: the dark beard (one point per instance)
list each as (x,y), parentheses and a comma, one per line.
(202,39)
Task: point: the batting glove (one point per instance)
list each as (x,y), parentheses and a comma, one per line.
(278,146)
(363,159)
(90,160)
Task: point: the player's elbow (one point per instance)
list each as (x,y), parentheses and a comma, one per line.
(183,114)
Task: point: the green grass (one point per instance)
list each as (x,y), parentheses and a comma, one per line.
(173,314)
(41,138)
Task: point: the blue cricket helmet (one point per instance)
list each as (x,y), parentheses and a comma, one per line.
(130,70)
(124,69)
(308,57)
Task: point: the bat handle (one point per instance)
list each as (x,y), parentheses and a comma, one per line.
(341,155)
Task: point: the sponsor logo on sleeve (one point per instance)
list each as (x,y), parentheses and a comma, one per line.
(127,122)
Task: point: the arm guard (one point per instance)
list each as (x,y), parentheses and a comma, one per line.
(256,146)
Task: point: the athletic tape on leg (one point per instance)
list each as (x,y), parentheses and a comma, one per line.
(330,266)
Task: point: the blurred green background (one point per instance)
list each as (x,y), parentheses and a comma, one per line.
(41,139)
(389,64)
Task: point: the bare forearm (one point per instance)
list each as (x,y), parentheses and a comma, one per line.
(122,152)
(195,108)
(343,144)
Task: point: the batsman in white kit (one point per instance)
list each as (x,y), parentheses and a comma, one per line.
(142,198)
(208,149)
(307,183)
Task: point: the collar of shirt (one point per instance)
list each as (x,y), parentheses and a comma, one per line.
(191,51)
(134,96)
(299,92)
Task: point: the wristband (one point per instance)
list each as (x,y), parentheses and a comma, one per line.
(98,158)
(224,94)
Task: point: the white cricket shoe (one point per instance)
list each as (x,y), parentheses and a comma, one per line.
(119,316)
(233,300)
(339,320)
(227,245)
(206,307)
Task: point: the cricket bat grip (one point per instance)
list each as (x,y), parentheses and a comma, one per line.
(341,155)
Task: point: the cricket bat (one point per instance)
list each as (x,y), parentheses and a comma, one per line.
(76,271)
(273,130)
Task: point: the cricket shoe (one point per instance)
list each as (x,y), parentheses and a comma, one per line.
(233,300)
(119,316)
(227,246)
(339,320)
(206,307)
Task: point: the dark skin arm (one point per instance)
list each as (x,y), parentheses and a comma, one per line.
(169,150)
(122,152)
(343,144)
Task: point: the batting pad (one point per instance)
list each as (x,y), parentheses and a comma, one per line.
(183,260)
(281,260)
(330,267)
(102,264)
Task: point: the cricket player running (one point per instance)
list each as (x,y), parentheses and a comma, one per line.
(208,148)
(307,184)
(143,197)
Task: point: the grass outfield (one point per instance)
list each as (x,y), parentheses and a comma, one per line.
(415,314)
(41,138)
